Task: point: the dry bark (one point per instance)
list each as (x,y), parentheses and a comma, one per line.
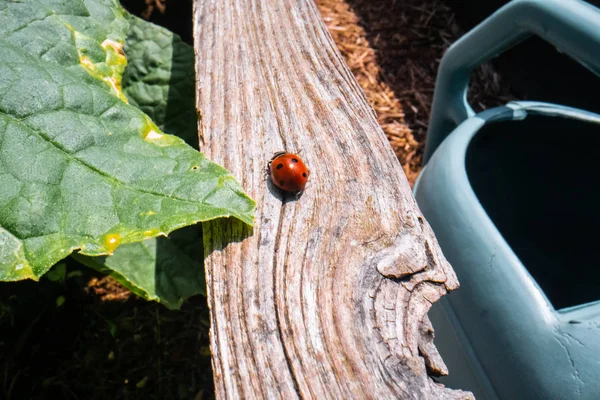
(327,296)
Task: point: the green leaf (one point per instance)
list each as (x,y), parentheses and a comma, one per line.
(79,167)
(160,79)
(60,300)
(58,273)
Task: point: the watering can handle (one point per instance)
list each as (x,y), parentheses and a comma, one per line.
(573,26)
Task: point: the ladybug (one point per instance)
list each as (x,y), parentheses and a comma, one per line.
(288,172)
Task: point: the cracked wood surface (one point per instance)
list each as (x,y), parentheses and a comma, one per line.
(327,296)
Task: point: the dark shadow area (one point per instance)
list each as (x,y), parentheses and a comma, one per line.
(175,15)
(181,117)
(230,230)
(538,181)
(283,196)
(179,261)
(95,346)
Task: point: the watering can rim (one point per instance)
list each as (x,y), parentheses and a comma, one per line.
(454,148)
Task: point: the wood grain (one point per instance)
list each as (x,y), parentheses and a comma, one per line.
(327,296)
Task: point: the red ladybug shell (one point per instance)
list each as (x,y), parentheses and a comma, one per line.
(288,172)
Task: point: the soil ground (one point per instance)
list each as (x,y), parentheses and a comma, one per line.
(89,338)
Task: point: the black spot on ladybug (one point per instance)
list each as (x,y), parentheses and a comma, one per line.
(294,160)
(304,174)
(279,166)
(281,183)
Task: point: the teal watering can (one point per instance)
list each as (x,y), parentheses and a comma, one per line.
(513,195)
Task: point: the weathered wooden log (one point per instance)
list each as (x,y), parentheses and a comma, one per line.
(327,296)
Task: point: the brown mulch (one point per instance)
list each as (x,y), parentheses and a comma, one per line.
(99,341)
(393,49)
(107,288)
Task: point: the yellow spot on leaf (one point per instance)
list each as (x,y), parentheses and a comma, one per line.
(115,85)
(153,135)
(116,46)
(111,242)
(86,62)
(151,232)
(110,69)
(22,270)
